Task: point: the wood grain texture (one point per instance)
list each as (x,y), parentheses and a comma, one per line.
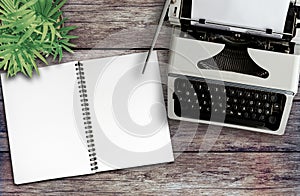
(237,162)
(116,24)
(213,173)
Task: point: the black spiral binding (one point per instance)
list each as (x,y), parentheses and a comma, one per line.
(86,115)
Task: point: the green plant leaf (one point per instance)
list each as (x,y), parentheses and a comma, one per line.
(24,22)
(8,38)
(31,30)
(61,22)
(26,35)
(42,6)
(53,32)
(45,31)
(40,56)
(28,4)
(31,60)
(67,49)
(56,16)
(6,19)
(68,28)
(7,6)
(6,26)
(48,7)
(53,11)
(19,13)
(5,61)
(6,52)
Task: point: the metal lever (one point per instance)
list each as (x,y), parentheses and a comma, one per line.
(164,12)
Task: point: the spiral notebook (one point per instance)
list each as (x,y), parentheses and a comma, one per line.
(85,117)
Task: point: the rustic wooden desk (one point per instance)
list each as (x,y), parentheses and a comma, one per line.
(239,162)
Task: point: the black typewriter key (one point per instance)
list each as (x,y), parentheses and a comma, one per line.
(231,92)
(205,87)
(251,110)
(240,93)
(230,112)
(259,111)
(267,112)
(248,95)
(200,87)
(276,107)
(265,97)
(204,103)
(241,106)
(262,118)
(267,105)
(259,104)
(243,101)
(274,98)
(272,120)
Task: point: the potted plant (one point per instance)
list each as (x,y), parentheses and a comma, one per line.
(31,30)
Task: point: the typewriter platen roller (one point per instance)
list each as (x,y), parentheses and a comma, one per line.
(256,61)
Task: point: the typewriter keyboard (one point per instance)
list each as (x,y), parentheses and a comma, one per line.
(213,101)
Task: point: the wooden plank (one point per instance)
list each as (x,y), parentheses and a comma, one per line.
(118,35)
(117,3)
(116,24)
(212,173)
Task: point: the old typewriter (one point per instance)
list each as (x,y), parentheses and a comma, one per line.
(232,74)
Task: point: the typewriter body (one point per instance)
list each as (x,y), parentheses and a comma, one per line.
(232,76)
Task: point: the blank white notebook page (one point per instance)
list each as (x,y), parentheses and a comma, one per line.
(128,112)
(43,135)
(257,14)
